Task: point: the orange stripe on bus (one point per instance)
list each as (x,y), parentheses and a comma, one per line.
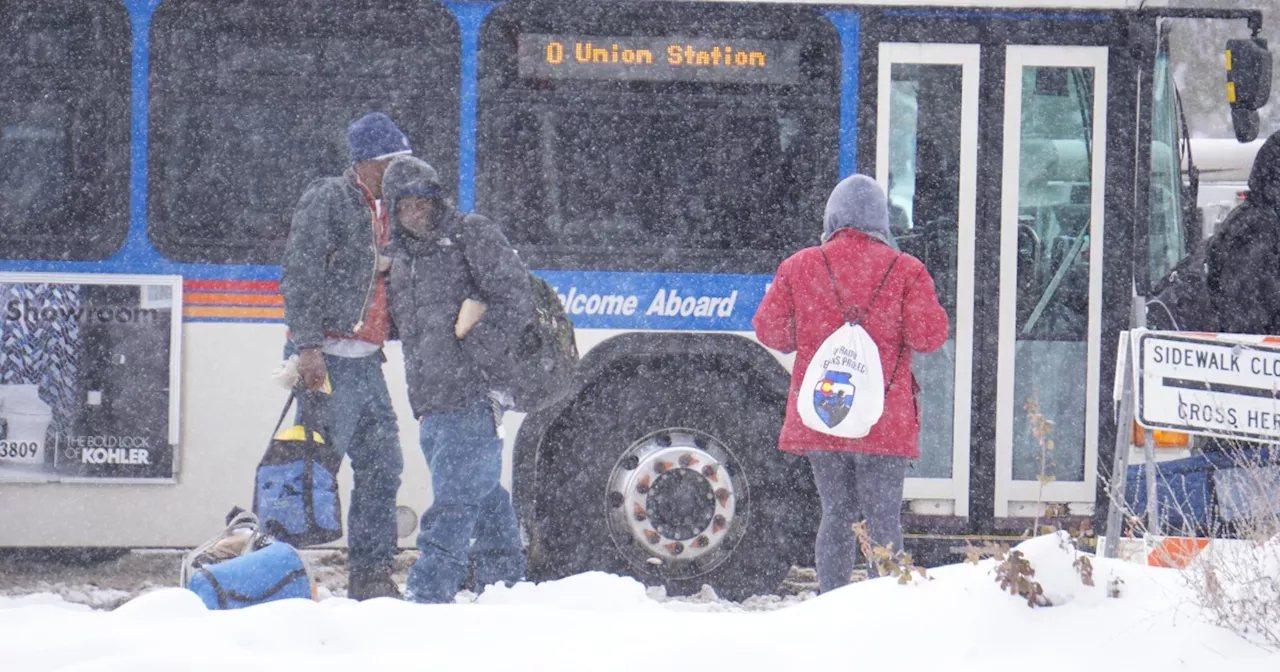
(234,299)
(233,311)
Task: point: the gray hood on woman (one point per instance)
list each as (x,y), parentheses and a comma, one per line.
(857,203)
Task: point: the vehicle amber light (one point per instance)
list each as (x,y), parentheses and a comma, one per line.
(1162,438)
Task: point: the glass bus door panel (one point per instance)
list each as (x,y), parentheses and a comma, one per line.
(926,151)
(1050,291)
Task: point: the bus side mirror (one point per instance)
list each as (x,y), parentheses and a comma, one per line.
(1248,84)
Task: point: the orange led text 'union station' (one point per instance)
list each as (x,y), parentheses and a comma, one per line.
(588,53)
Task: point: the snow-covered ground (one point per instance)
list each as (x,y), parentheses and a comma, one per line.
(107,584)
(958,620)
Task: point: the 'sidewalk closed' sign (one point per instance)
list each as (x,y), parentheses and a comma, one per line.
(1224,385)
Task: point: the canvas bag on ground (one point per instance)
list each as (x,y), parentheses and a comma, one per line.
(843,389)
(295,493)
(242,567)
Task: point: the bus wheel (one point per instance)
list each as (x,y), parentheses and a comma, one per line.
(674,482)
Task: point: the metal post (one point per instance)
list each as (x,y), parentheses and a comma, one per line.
(1120,465)
(1153,503)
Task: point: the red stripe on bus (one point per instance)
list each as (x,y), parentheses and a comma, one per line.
(231,286)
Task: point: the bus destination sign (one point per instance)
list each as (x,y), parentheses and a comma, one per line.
(662,59)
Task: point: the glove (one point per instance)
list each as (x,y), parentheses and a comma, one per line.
(286,375)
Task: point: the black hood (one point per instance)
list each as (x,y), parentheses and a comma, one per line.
(409,176)
(1264,181)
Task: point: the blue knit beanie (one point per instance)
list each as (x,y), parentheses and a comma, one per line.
(375,136)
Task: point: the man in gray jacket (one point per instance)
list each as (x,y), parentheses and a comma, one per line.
(441,260)
(335,302)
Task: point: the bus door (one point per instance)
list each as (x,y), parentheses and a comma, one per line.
(951,116)
(1051,225)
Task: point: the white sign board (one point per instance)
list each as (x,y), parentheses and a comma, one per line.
(1213,385)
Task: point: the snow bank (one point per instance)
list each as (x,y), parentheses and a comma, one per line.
(958,621)
(1240,582)
(41,599)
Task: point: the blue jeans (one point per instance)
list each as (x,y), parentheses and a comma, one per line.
(464,455)
(360,422)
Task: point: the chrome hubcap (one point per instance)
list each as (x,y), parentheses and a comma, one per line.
(677,503)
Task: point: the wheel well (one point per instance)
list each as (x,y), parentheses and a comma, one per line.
(647,355)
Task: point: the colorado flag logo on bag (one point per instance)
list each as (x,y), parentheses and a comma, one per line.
(834,397)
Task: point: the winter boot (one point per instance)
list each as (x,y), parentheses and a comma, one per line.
(370,586)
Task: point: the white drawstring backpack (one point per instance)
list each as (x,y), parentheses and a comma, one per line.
(843,389)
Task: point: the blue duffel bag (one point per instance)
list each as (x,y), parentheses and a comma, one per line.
(295,490)
(242,567)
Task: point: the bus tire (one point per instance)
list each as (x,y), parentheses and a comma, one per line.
(668,479)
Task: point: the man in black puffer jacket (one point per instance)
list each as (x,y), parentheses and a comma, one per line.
(442,258)
(1243,261)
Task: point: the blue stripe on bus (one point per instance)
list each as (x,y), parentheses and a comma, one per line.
(136,244)
(149,263)
(1002,16)
(848,24)
(663,301)
(469,16)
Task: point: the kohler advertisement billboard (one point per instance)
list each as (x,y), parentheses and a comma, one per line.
(89,377)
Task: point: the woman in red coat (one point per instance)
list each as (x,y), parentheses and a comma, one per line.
(857,478)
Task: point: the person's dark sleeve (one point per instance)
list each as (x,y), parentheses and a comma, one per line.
(304,266)
(503,281)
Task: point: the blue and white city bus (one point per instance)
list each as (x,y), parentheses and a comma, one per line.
(654,161)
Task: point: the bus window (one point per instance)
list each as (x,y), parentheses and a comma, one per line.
(64,133)
(1054,201)
(1166,239)
(646,166)
(251,101)
(666,181)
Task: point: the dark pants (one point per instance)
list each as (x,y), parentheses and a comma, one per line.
(464,455)
(361,423)
(855,487)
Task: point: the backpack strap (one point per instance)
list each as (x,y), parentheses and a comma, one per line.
(293,394)
(849,319)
